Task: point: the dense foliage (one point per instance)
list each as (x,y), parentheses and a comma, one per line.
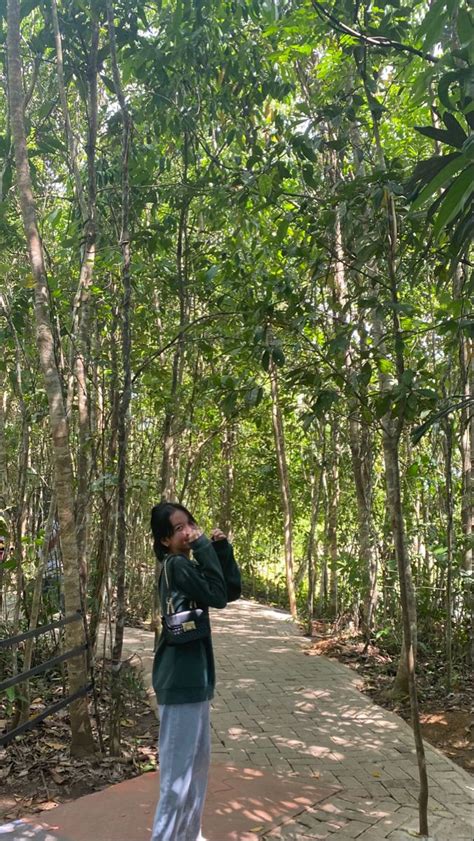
(301,194)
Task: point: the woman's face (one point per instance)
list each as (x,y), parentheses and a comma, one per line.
(184,531)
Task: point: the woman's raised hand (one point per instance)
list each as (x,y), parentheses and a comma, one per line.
(217,534)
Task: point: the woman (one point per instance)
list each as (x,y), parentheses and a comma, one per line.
(204,572)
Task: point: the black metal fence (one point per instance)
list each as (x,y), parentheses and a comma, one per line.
(9,642)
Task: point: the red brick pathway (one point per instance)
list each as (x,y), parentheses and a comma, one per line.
(298,753)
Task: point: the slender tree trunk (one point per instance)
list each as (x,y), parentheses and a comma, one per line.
(170,455)
(3,447)
(82,741)
(332,518)
(82,352)
(316,492)
(394,501)
(225,511)
(466,447)
(107,524)
(359,432)
(361,451)
(449,502)
(81,314)
(279,435)
(392,429)
(126,392)
(3,488)
(35,609)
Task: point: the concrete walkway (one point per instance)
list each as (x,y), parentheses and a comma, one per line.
(298,753)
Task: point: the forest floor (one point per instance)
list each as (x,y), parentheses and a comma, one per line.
(447,718)
(37,771)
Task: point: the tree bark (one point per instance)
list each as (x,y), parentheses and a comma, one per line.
(225,510)
(332,518)
(126,391)
(279,435)
(170,456)
(466,448)
(35,609)
(394,501)
(82,741)
(316,492)
(448,461)
(81,314)
(360,438)
(392,429)
(3,488)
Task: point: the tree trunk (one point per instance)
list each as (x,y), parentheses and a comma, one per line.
(107,522)
(466,447)
(332,519)
(279,435)
(82,741)
(3,449)
(225,510)
(35,609)
(394,501)
(316,491)
(3,489)
(81,315)
(359,432)
(392,429)
(361,451)
(448,459)
(126,394)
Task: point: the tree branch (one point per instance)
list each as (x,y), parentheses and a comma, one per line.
(370,40)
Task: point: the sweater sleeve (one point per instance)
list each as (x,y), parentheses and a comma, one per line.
(202,582)
(230,570)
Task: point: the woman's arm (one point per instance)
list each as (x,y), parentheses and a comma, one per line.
(230,570)
(202,582)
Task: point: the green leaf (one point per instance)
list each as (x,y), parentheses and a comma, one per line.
(444,86)
(438,181)
(9,564)
(433,23)
(27,6)
(254,396)
(265,359)
(265,183)
(441,134)
(228,404)
(278,356)
(454,127)
(465,27)
(385,366)
(407,377)
(308,176)
(456,197)
(325,400)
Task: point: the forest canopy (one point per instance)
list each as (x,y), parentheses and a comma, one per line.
(236,271)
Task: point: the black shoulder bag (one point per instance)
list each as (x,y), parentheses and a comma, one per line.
(186,625)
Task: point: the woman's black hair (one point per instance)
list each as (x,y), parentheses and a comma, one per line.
(161,526)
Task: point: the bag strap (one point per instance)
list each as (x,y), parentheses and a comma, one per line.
(169,598)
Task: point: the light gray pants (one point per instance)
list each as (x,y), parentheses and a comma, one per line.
(185,753)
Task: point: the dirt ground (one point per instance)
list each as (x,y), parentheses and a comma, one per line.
(446,718)
(37,771)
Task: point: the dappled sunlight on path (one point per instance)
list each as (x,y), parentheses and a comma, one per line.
(304,717)
(299,754)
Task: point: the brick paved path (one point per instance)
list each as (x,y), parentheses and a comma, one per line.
(298,754)
(297,714)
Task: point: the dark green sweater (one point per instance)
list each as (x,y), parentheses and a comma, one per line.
(185,674)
